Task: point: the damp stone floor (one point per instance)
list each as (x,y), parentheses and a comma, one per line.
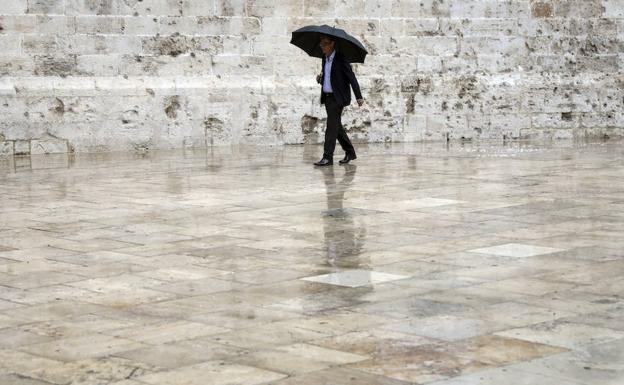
(444,264)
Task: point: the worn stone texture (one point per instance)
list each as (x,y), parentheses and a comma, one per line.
(125,74)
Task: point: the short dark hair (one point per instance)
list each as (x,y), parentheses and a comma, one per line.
(328,37)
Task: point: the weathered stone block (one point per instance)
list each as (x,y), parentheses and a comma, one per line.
(217,25)
(48,146)
(236,45)
(251,27)
(421,8)
(579,8)
(98,65)
(141,25)
(449,126)
(475,9)
(423,27)
(55,25)
(562,120)
(262,8)
(319,8)
(416,124)
(230,7)
(89,7)
(460,64)
(500,63)
(613,8)
(489,27)
(119,86)
(40,44)
(14,7)
(48,65)
(6,148)
(10,44)
(235,65)
(468,9)
(50,7)
(505,126)
(421,45)
(392,27)
(492,46)
(153,7)
(274,26)
(17,23)
(595,27)
(182,25)
(358,27)
(542,9)
(349,8)
(7,88)
(74,86)
(541,45)
(175,45)
(518,9)
(100,24)
(198,8)
(553,63)
(601,64)
(21,147)
(429,63)
(598,121)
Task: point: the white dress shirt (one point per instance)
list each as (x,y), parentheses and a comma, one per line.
(327,73)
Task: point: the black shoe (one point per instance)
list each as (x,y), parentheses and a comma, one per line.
(348,158)
(324,162)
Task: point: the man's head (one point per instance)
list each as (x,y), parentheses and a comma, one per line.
(327,45)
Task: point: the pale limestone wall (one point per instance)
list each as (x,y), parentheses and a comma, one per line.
(105,75)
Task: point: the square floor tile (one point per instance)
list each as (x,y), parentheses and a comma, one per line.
(564,334)
(507,376)
(517,250)
(91,346)
(432,202)
(212,373)
(420,365)
(355,278)
(299,358)
(446,327)
(590,366)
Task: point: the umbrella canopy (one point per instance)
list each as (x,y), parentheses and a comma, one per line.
(308,39)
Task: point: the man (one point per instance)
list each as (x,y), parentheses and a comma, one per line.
(336,79)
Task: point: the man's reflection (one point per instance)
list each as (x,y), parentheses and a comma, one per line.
(344,239)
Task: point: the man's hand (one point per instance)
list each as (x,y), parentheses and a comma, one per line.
(360,102)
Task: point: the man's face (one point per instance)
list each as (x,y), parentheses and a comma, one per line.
(327,46)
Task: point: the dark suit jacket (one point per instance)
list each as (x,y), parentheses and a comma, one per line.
(341,77)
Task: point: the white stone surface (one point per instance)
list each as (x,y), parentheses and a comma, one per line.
(516,250)
(355,278)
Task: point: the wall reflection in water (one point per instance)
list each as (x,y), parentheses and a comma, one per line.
(26,163)
(344,234)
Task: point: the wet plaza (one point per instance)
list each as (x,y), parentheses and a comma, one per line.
(445,264)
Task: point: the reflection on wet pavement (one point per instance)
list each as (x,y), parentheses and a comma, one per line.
(445,264)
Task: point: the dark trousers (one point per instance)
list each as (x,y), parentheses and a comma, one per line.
(335,130)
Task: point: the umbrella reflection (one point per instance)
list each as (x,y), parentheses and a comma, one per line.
(344,235)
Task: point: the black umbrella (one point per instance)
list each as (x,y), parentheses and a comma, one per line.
(308,39)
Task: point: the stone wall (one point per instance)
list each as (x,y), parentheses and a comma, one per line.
(102,75)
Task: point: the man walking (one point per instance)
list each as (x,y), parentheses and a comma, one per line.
(337,79)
